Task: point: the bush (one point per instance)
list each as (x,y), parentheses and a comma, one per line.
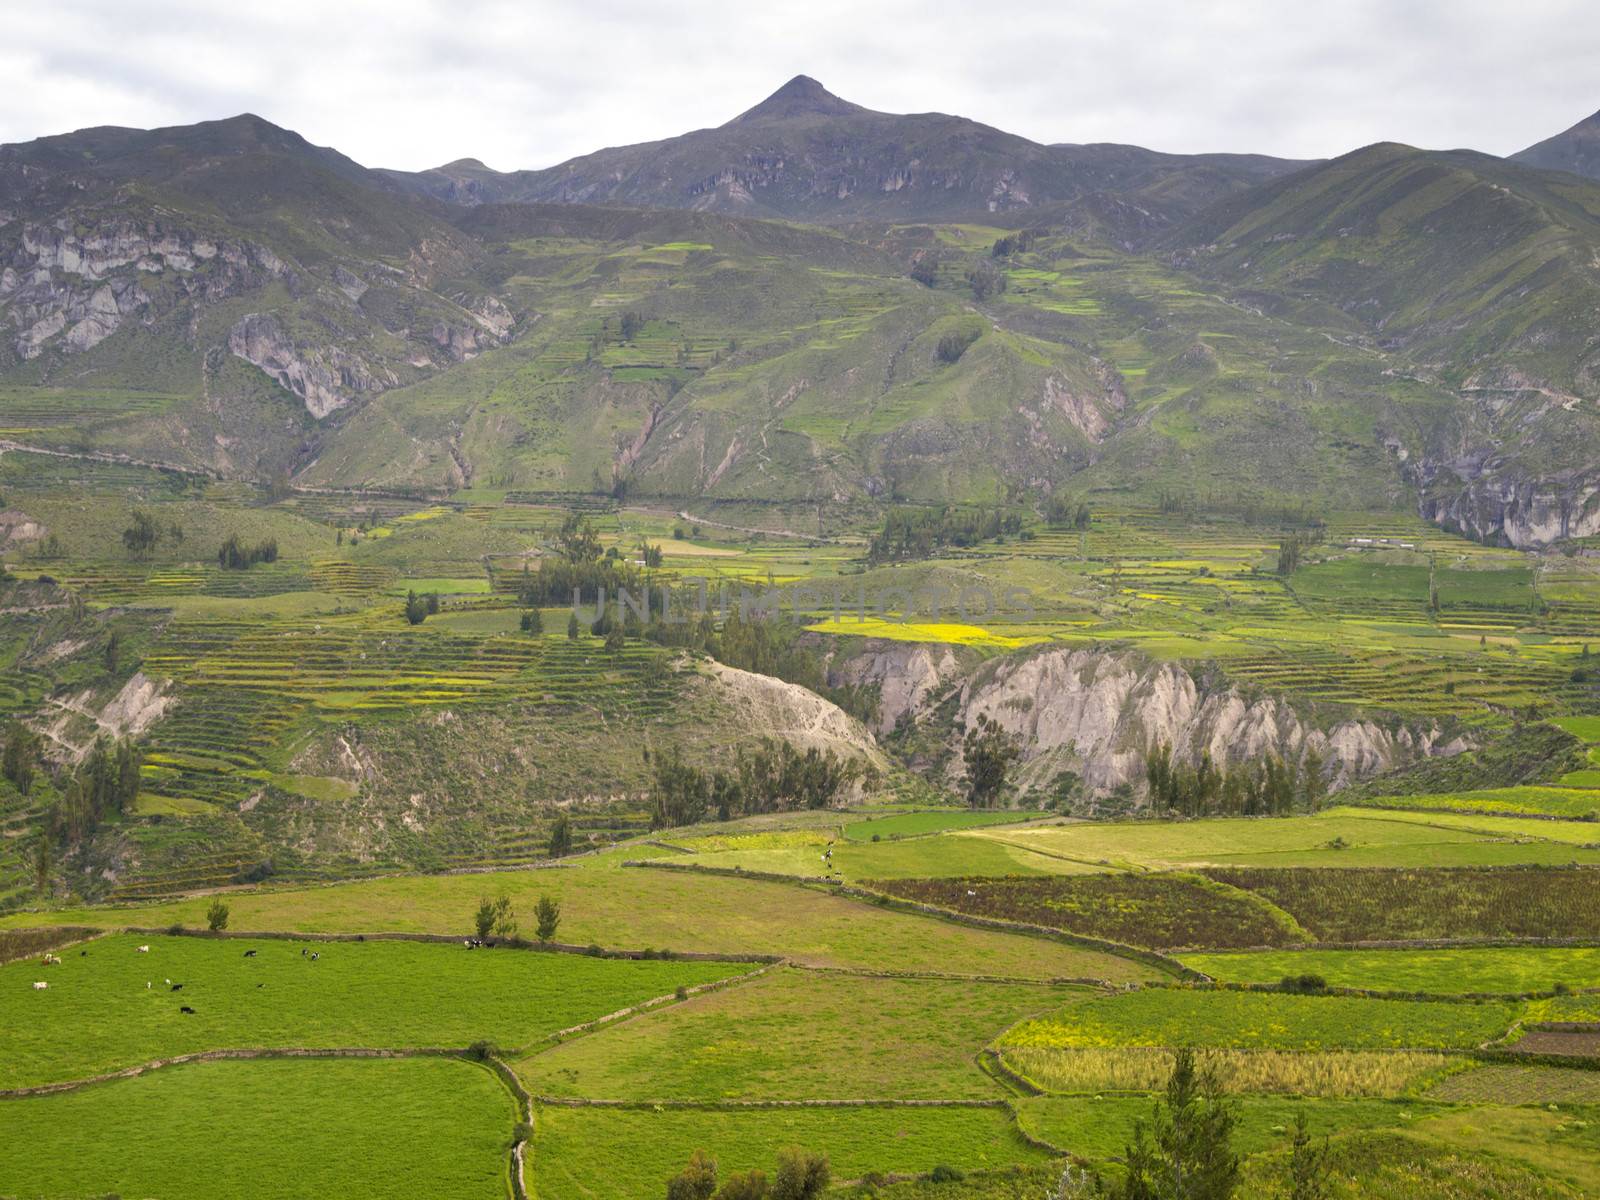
(945,1174)
(1307,984)
(953,345)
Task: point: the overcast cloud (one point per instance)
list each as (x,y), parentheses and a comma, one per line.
(415,83)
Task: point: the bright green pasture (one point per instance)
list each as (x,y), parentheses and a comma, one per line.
(1506,969)
(627,1153)
(638,908)
(1265,1020)
(1339,838)
(97,1014)
(1585,728)
(1099,1128)
(912,824)
(278,1128)
(798,1035)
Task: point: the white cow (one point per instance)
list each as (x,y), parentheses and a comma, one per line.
(141,949)
(39,987)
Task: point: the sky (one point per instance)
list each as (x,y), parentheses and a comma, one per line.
(417,83)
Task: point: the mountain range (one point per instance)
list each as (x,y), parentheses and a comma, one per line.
(822,305)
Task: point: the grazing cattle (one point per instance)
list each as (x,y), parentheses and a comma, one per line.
(303,952)
(177,987)
(50,960)
(141,949)
(39,987)
(83,954)
(187,1009)
(249,953)
(147,985)
(316,954)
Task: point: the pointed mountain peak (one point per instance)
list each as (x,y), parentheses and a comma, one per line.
(802,96)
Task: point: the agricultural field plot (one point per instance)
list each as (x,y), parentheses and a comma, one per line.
(284,1128)
(899,825)
(1174,1016)
(1341,1074)
(1154,911)
(1394,904)
(98,1014)
(628,1153)
(1099,1128)
(639,908)
(1580,802)
(1332,839)
(798,1035)
(1504,970)
(909,857)
(1502,1083)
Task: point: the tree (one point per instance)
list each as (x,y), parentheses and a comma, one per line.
(43,863)
(483,920)
(416,608)
(22,748)
(925,271)
(614,639)
(1308,1164)
(217,916)
(572,628)
(547,918)
(985,281)
(988,752)
(532,621)
(802,1174)
(1186,1151)
(952,346)
(142,536)
(113,653)
(561,836)
(697,1180)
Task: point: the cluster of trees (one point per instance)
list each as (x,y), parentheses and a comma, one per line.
(775,778)
(420,608)
(1241,505)
(144,533)
(917,532)
(988,752)
(1292,548)
(1014,243)
(801,1175)
(1267,787)
(496,918)
(20,757)
(106,782)
(985,280)
(952,346)
(1067,512)
(578,564)
(235,556)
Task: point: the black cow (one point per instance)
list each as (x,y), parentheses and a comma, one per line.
(187,1009)
(177,987)
(249,953)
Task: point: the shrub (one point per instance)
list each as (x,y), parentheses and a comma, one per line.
(953,345)
(217,916)
(1303,984)
(547,917)
(945,1173)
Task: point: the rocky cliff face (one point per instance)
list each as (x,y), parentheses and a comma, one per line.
(1097,712)
(68,288)
(325,378)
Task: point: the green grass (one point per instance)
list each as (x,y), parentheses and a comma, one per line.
(97,1015)
(1264,1020)
(626,1154)
(637,908)
(796,1035)
(266,1129)
(1487,970)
